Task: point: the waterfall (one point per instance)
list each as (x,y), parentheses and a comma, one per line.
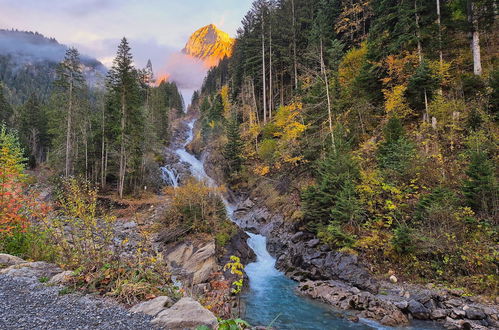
(169,176)
(271,296)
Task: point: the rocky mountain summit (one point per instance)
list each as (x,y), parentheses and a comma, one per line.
(209,44)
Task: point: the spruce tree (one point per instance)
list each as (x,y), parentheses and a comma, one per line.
(69,85)
(480,189)
(5,109)
(233,148)
(123,88)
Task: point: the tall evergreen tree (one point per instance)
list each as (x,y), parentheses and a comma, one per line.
(6,111)
(70,83)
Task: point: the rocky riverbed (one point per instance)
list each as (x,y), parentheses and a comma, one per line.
(342,281)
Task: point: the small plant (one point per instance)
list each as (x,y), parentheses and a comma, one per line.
(236,268)
(43,279)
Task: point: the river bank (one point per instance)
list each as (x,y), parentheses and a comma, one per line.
(341,280)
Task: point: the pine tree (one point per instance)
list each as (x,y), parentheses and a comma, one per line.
(396,150)
(5,109)
(70,83)
(481,190)
(233,148)
(333,198)
(33,130)
(123,88)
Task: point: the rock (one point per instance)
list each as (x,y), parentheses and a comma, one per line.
(418,310)
(296,237)
(61,278)
(453,303)
(9,260)
(186,313)
(32,270)
(192,261)
(129,225)
(473,313)
(153,307)
(313,243)
(439,314)
(402,305)
(393,279)
(457,313)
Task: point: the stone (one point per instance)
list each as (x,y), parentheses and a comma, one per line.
(153,307)
(193,261)
(401,304)
(34,270)
(439,314)
(186,313)
(457,313)
(61,278)
(474,313)
(9,260)
(393,279)
(313,243)
(296,237)
(418,310)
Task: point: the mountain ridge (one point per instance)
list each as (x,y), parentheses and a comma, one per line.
(210,44)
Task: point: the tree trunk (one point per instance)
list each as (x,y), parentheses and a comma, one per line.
(475,38)
(103,152)
(271,94)
(329,110)
(69,124)
(295,60)
(264,74)
(420,55)
(121,181)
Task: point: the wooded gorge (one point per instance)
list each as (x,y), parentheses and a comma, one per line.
(378,120)
(110,135)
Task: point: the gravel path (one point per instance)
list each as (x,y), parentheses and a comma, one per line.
(28,304)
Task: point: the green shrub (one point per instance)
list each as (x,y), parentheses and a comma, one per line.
(334,236)
(402,241)
(267,150)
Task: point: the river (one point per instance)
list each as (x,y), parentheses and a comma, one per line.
(271,299)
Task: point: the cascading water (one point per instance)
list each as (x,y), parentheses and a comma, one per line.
(169,176)
(271,299)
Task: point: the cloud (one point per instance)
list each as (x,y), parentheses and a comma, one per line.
(186,71)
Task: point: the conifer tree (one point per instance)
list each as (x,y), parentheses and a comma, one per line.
(233,148)
(5,108)
(481,189)
(70,83)
(122,85)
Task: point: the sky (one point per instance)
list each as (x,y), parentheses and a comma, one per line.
(156,29)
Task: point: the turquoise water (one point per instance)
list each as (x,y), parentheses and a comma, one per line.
(271,298)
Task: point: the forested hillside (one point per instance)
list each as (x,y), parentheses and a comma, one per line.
(110,134)
(372,124)
(28,64)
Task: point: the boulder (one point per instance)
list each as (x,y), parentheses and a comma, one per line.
(473,313)
(313,243)
(61,278)
(153,307)
(194,262)
(439,314)
(185,314)
(34,270)
(417,310)
(393,279)
(9,260)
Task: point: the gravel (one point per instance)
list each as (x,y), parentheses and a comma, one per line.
(28,304)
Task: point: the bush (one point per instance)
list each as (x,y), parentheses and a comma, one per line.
(334,236)
(396,152)
(402,242)
(196,208)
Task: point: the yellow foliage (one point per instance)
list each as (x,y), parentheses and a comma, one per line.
(351,64)
(224,93)
(395,101)
(261,170)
